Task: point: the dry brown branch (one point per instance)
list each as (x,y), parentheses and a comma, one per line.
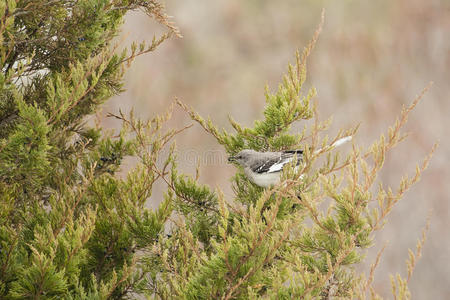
(413,257)
(405,185)
(372,269)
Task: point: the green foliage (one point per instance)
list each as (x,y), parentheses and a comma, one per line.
(70,228)
(279,242)
(24,155)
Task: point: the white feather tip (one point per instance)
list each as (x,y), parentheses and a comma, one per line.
(342,141)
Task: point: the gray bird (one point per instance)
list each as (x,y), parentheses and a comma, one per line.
(264,168)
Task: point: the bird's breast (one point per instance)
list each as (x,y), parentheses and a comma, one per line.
(263,179)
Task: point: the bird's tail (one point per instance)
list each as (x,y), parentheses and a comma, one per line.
(336,144)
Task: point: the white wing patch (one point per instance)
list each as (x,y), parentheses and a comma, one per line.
(277,167)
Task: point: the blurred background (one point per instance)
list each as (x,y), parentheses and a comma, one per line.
(371,58)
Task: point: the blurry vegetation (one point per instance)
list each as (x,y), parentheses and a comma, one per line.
(70,228)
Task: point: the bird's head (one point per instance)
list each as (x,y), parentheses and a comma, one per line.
(243,157)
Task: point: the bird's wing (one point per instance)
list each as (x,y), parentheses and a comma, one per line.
(275,164)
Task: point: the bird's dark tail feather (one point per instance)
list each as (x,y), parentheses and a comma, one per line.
(294,151)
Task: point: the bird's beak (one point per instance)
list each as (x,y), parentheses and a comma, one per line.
(231,159)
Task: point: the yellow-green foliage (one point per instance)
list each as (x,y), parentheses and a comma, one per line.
(71,229)
(280,242)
